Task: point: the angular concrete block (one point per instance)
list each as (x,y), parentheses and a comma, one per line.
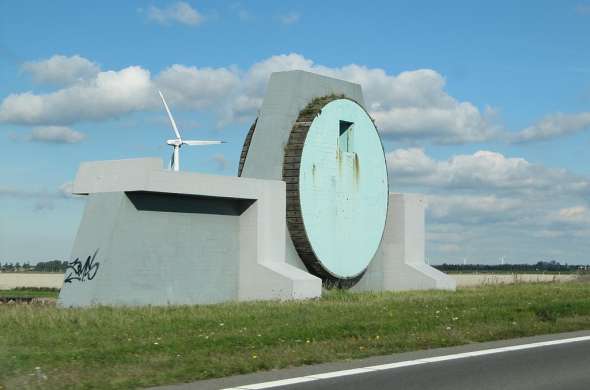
(160,237)
(399,263)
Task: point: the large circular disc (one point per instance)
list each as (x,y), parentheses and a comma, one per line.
(337,193)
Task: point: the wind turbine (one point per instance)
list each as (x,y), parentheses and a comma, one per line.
(178,142)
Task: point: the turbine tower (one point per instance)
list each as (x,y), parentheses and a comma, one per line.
(178,142)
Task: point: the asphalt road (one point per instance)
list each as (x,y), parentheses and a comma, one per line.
(561,366)
(565,366)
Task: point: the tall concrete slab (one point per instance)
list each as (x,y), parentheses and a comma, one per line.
(399,263)
(286,95)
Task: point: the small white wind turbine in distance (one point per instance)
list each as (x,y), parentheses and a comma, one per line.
(178,142)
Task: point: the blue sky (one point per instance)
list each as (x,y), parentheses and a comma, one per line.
(485,108)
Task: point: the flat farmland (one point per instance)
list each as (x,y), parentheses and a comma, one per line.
(10,280)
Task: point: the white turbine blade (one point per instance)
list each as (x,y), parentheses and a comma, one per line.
(190,142)
(172,161)
(170,115)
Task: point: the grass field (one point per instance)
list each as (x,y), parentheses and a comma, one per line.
(122,348)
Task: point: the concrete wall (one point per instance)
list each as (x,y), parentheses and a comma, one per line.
(399,263)
(191,254)
(154,237)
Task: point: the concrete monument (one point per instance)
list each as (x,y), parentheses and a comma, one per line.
(313,133)
(310,207)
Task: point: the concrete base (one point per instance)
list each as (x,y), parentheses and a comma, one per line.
(399,262)
(154,237)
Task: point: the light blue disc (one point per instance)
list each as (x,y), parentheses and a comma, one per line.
(343,188)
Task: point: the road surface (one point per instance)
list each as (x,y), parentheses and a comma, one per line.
(565,366)
(545,362)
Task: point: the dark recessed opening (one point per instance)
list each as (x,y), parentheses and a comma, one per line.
(183,203)
(345,139)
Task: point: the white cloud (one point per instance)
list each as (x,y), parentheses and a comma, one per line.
(472,209)
(449,248)
(247,98)
(289,18)
(485,205)
(553,126)
(482,170)
(55,134)
(108,95)
(441,234)
(111,94)
(461,123)
(414,104)
(574,213)
(180,12)
(571,215)
(408,106)
(61,70)
(197,88)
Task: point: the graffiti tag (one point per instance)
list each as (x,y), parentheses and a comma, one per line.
(82,272)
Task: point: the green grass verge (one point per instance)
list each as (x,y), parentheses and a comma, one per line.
(30,292)
(123,348)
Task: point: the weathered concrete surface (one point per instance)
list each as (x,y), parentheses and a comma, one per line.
(10,280)
(155,237)
(399,262)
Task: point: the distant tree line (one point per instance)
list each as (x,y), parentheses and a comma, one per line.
(42,266)
(541,266)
